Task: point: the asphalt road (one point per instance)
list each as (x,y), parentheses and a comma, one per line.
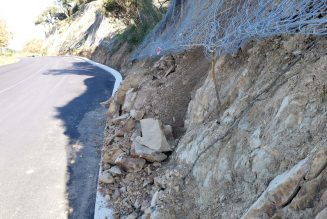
(51,127)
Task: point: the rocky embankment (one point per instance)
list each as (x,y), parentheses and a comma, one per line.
(172,152)
(84,33)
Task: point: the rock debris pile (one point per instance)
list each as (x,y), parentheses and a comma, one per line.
(131,175)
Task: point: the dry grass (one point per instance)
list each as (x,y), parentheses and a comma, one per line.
(5,60)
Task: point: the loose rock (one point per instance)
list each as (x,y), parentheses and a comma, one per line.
(129,100)
(117,120)
(115,171)
(106,177)
(153,136)
(130,164)
(137,115)
(147,153)
(111,155)
(113,109)
(129,125)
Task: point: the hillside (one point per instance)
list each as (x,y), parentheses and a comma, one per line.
(105,36)
(84,32)
(236,130)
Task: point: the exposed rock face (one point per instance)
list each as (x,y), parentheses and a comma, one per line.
(271,128)
(322,214)
(278,193)
(85,32)
(153,136)
(261,154)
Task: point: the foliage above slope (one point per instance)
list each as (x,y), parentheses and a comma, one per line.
(5,35)
(61,10)
(139,15)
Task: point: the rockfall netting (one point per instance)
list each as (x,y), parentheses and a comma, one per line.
(222,26)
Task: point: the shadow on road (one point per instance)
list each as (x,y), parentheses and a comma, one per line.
(84,114)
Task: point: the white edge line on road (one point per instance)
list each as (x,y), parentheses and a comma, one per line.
(101,210)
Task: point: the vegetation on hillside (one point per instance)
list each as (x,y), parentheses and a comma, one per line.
(8,56)
(140,16)
(50,16)
(34,47)
(135,19)
(62,10)
(5,35)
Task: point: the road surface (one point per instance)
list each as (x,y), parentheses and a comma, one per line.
(51,127)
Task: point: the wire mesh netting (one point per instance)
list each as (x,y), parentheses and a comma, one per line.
(222,26)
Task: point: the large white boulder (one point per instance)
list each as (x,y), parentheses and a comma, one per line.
(153,136)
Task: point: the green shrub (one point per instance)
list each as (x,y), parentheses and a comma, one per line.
(112,6)
(143,14)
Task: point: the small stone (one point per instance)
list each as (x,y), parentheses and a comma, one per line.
(116,194)
(137,115)
(122,189)
(161,182)
(119,133)
(176,188)
(156,164)
(120,96)
(130,164)
(115,171)
(117,120)
(129,82)
(148,181)
(111,155)
(168,131)
(129,100)
(113,109)
(129,125)
(147,153)
(106,177)
(105,104)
